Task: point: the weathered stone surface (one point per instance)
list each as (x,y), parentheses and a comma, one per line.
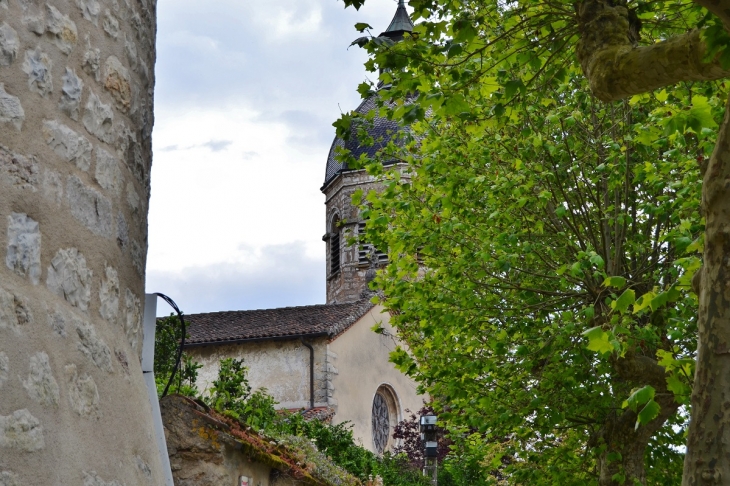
(62,29)
(38,67)
(133,198)
(11,110)
(143,467)
(109,295)
(130,48)
(9,45)
(133,321)
(24,247)
(82,393)
(14,313)
(108,172)
(92,479)
(52,186)
(90,208)
(138,257)
(93,347)
(90,9)
(99,118)
(41,385)
(122,231)
(68,144)
(4,368)
(71,91)
(92,61)
(110,24)
(21,431)
(116,82)
(8,478)
(57,322)
(21,171)
(69,277)
(33,16)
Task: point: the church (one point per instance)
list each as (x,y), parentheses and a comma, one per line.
(325,360)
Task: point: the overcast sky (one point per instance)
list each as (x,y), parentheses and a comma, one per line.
(245,97)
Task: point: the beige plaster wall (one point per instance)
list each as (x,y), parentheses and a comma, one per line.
(76,83)
(282,367)
(359,364)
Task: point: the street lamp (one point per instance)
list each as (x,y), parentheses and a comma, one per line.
(429,437)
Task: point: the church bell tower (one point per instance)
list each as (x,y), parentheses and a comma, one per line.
(351,267)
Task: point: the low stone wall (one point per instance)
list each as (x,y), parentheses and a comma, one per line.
(207,449)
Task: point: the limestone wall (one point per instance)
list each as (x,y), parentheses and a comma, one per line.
(282,367)
(76,81)
(358,364)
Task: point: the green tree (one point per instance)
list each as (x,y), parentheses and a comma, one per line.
(542,214)
(167,343)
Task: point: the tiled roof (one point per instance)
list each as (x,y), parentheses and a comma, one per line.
(224,327)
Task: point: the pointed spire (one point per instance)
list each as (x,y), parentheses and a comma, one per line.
(401,21)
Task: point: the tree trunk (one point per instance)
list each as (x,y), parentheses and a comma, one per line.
(618,69)
(708,446)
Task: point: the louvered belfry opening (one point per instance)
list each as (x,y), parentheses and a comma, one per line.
(367,253)
(335,249)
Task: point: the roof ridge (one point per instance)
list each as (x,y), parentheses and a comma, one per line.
(292,307)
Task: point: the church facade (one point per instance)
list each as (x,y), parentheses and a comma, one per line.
(325,360)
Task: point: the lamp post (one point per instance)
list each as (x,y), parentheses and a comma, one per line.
(430,441)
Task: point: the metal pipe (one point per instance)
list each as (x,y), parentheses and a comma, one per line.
(311,373)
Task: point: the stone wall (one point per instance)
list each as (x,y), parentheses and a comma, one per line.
(282,367)
(76,85)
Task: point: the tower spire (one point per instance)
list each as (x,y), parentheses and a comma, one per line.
(401,22)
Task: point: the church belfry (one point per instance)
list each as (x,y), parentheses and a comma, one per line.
(351,267)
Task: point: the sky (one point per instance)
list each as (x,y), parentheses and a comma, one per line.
(245,96)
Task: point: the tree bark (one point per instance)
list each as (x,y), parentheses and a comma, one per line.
(617,69)
(708,445)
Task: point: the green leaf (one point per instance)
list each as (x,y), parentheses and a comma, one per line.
(598,340)
(639,397)
(617,282)
(361,26)
(648,413)
(622,303)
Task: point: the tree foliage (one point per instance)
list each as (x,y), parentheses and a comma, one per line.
(542,242)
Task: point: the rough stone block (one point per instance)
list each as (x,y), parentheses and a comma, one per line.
(93,347)
(24,247)
(38,67)
(4,368)
(98,119)
(8,478)
(52,186)
(9,45)
(69,277)
(71,91)
(130,48)
(21,431)
(92,479)
(33,16)
(133,322)
(108,172)
(14,313)
(11,110)
(109,295)
(68,144)
(21,171)
(90,9)
(62,29)
(110,24)
(82,393)
(133,198)
(116,82)
(122,231)
(57,322)
(138,257)
(41,385)
(92,61)
(90,208)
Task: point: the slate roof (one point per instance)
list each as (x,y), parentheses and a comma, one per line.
(218,328)
(382,131)
(401,20)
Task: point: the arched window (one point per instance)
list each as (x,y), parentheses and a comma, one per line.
(335,248)
(385,416)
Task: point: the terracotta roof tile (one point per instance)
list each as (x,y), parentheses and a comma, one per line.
(224,327)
